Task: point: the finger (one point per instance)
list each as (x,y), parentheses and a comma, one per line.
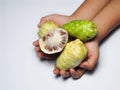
(56,71)
(89,64)
(77,73)
(37,48)
(44,19)
(43,55)
(36,43)
(41,22)
(64,73)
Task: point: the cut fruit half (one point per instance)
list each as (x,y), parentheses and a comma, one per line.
(54,41)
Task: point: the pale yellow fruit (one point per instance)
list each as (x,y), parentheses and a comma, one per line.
(73,54)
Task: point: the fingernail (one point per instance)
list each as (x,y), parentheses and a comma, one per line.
(56,72)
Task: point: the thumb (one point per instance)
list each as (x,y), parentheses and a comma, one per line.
(90,63)
(45,19)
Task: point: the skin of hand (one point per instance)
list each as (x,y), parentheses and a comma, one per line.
(59,19)
(92,46)
(107,19)
(89,9)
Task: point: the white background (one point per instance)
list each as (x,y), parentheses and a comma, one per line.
(21,68)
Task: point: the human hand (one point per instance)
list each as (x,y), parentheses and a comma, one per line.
(60,20)
(92,46)
(41,54)
(88,64)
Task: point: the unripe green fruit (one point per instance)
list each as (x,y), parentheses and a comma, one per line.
(73,54)
(81,29)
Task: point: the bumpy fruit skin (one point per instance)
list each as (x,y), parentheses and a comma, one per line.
(46,27)
(73,54)
(81,29)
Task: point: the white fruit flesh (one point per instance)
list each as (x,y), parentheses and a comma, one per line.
(54,41)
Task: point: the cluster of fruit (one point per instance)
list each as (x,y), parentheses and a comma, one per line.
(54,39)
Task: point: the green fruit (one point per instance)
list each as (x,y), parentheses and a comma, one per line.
(46,27)
(73,54)
(81,29)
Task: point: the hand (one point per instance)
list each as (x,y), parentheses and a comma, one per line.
(92,46)
(89,63)
(60,20)
(41,54)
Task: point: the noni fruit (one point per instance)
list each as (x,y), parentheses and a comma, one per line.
(73,54)
(52,39)
(81,29)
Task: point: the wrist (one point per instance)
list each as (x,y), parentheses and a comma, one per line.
(97,40)
(73,17)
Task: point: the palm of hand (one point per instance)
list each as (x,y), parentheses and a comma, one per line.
(93,54)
